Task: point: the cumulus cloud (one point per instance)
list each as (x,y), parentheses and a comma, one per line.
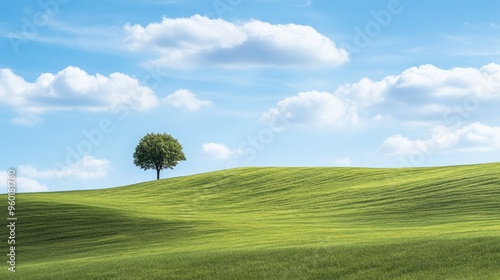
(24,184)
(88,167)
(219,151)
(201,41)
(72,88)
(440,83)
(366,92)
(427,85)
(481,137)
(186,100)
(27,178)
(473,137)
(316,108)
(30,185)
(343,162)
(418,94)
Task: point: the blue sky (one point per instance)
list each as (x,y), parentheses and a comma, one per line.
(386,83)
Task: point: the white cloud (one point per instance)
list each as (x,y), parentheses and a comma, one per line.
(196,32)
(427,82)
(366,92)
(456,82)
(72,88)
(201,41)
(343,162)
(473,137)
(400,145)
(427,91)
(24,184)
(219,151)
(88,167)
(434,109)
(186,100)
(30,185)
(424,94)
(315,108)
(482,137)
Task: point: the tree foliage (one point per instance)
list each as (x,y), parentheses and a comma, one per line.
(158,151)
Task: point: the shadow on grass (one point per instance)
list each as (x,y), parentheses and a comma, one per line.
(465,258)
(59,230)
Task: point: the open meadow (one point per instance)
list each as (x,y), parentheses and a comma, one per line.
(269,223)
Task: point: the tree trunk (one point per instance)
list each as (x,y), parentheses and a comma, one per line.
(157,174)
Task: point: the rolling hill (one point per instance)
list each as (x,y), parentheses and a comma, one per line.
(269,223)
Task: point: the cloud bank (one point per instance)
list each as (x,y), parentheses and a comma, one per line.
(199,41)
(473,137)
(219,151)
(425,93)
(314,108)
(186,100)
(88,167)
(24,184)
(73,88)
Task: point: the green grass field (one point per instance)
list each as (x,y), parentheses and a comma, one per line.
(268,223)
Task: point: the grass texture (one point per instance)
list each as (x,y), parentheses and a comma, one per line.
(268,223)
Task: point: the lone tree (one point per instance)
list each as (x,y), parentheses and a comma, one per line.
(158,151)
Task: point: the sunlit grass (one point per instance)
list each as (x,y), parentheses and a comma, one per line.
(270,223)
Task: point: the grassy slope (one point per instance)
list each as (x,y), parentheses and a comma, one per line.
(281,223)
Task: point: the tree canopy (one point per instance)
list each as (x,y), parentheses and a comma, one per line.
(158,151)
